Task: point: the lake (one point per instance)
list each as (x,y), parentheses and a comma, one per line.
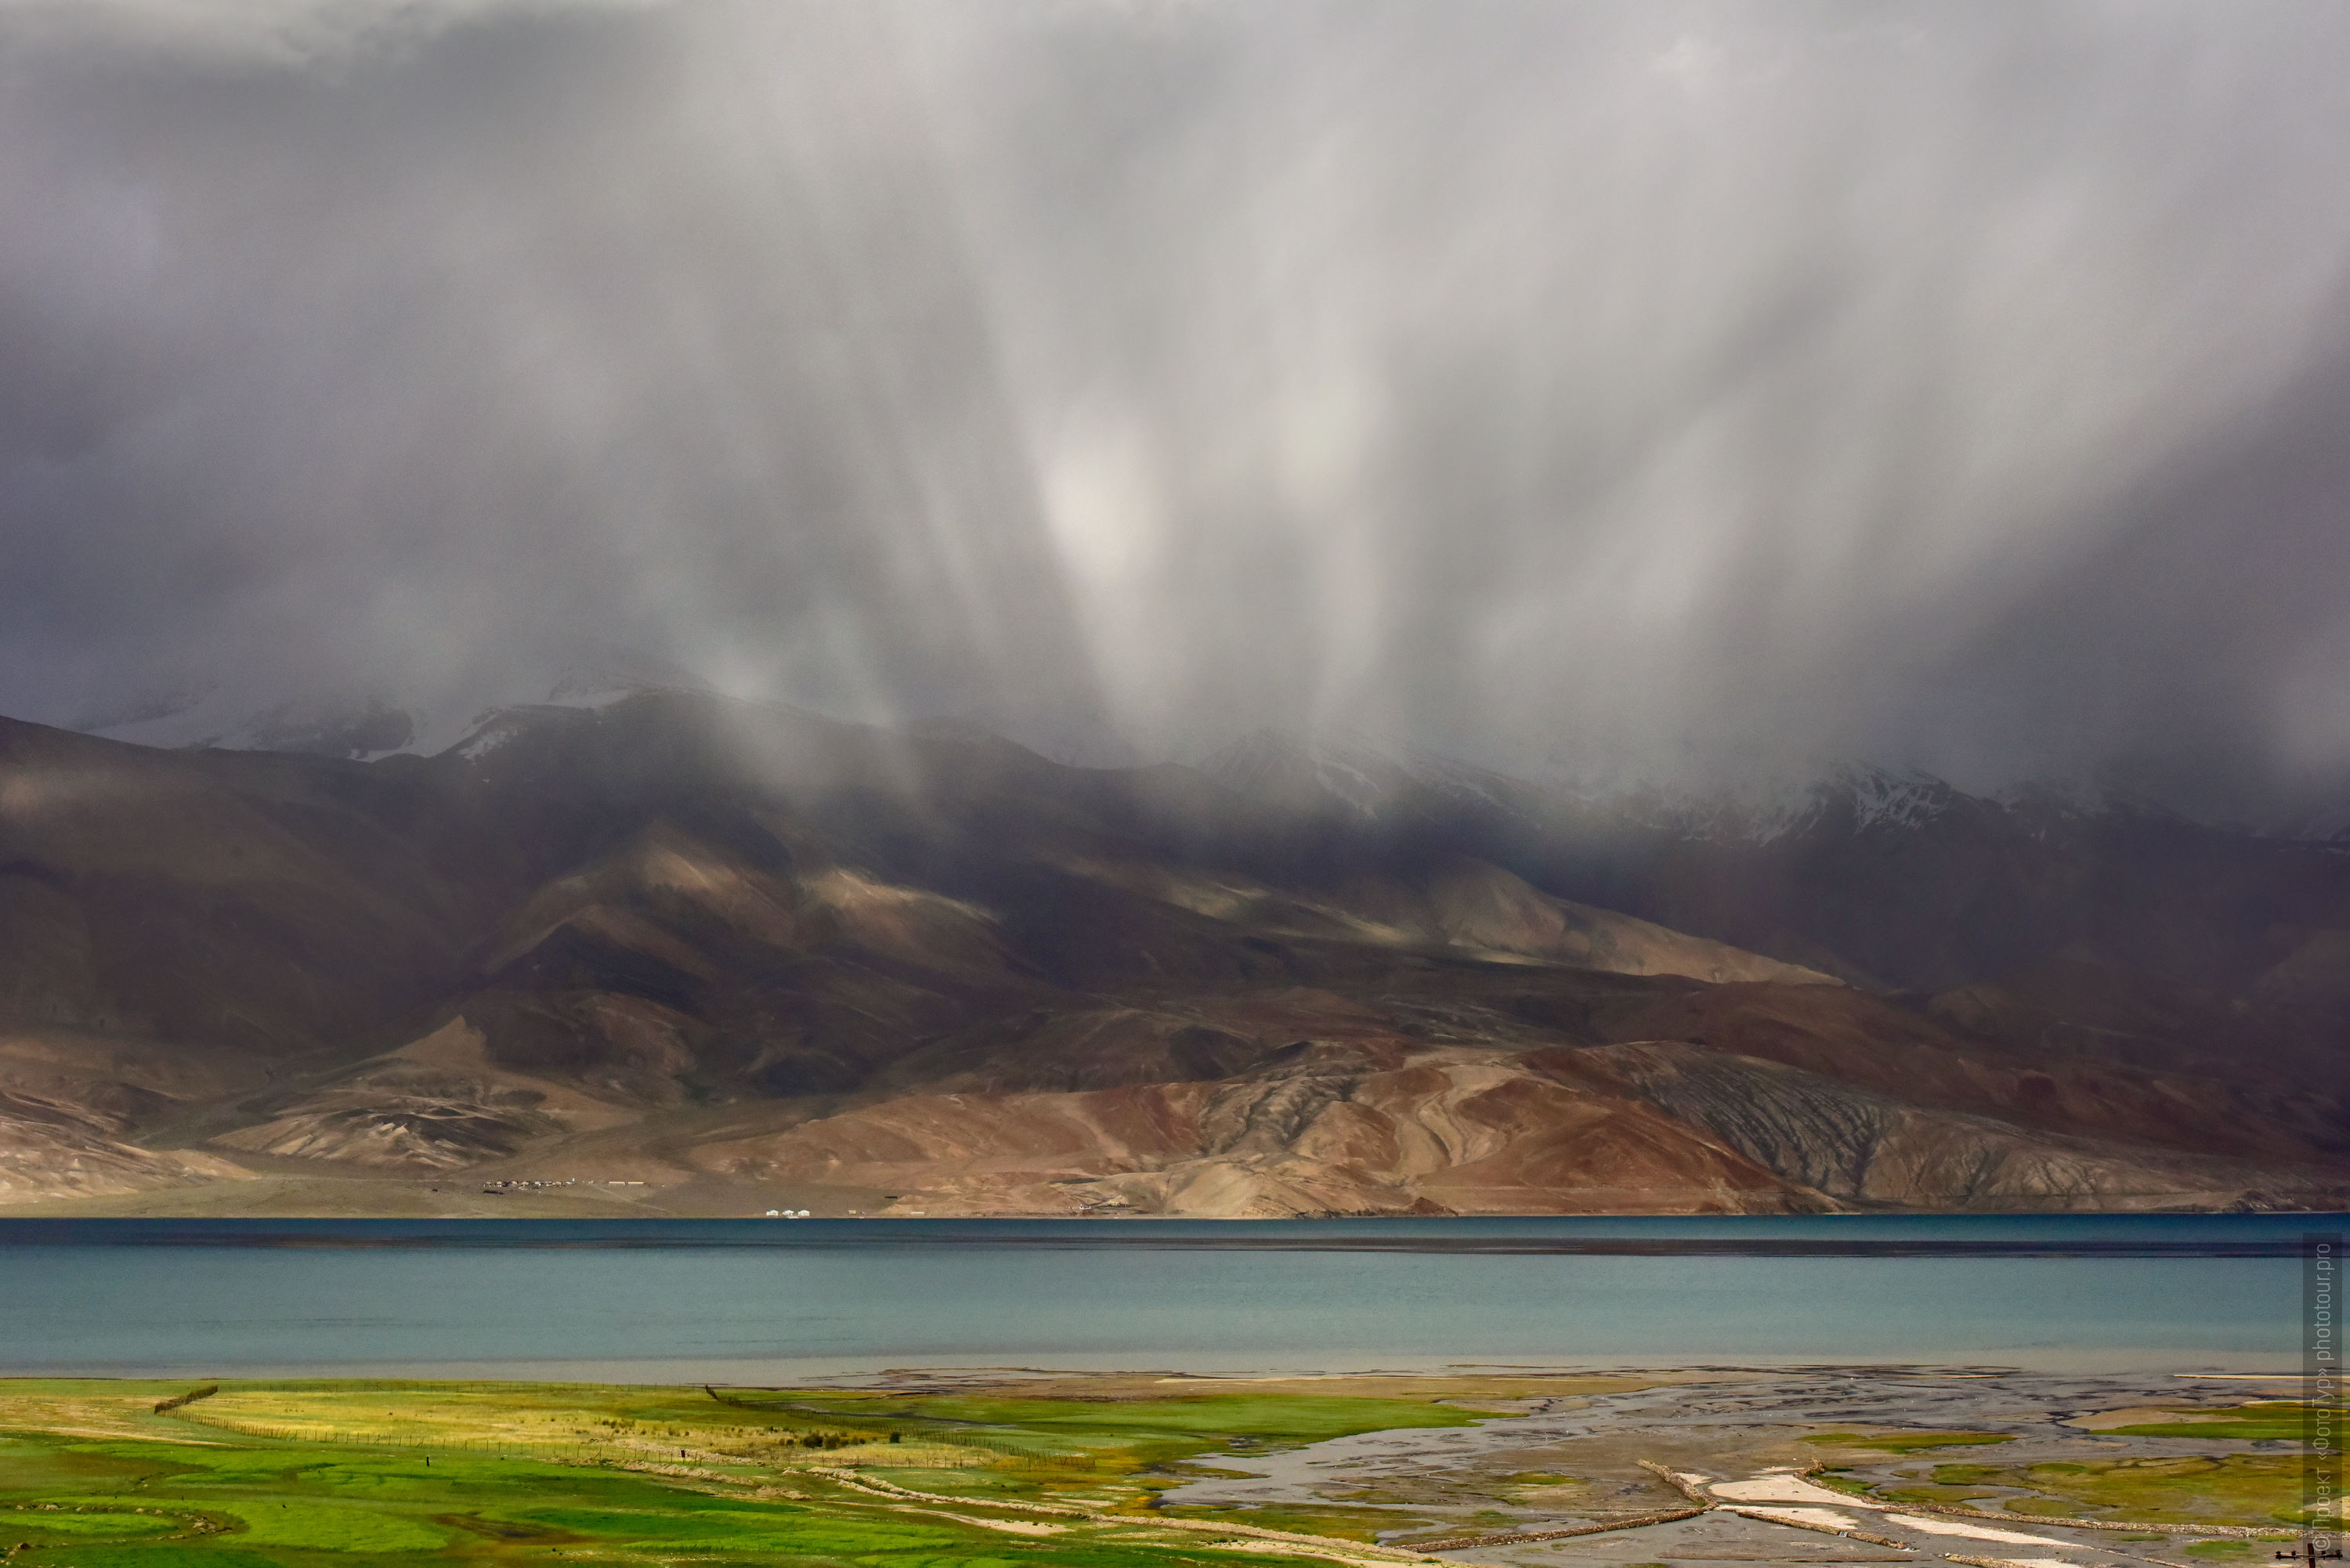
(769,1301)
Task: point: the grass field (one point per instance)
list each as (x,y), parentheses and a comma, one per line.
(1011,1473)
(304,1474)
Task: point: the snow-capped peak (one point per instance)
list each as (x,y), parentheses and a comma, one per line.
(1369,777)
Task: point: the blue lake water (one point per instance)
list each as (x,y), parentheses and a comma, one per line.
(751,1301)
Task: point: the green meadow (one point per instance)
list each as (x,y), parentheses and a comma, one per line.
(99,1474)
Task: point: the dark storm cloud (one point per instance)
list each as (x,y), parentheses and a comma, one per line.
(541,328)
(1634,387)
(2202,642)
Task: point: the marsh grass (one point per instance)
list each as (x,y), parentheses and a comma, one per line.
(2258,1421)
(2229,1488)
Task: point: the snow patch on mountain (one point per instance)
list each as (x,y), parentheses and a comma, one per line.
(332,724)
(1851,798)
(2326,824)
(1369,777)
(363,724)
(1371,780)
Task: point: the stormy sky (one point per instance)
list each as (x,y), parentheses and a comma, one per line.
(1642,388)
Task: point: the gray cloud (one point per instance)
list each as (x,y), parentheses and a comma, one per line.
(1640,386)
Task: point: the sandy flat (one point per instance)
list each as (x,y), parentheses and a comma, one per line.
(1971,1531)
(1819,1518)
(1785,1486)
(1010,1526)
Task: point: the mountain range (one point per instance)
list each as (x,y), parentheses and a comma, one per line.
(655,950)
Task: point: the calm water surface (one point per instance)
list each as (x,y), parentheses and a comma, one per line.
(768,1300)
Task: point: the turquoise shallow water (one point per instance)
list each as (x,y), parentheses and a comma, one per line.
(763,1300)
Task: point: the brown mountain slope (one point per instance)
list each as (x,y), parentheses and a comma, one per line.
(1317,1129)
(744,950)
(264,902)
(1658,1126)
(2247,1108)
